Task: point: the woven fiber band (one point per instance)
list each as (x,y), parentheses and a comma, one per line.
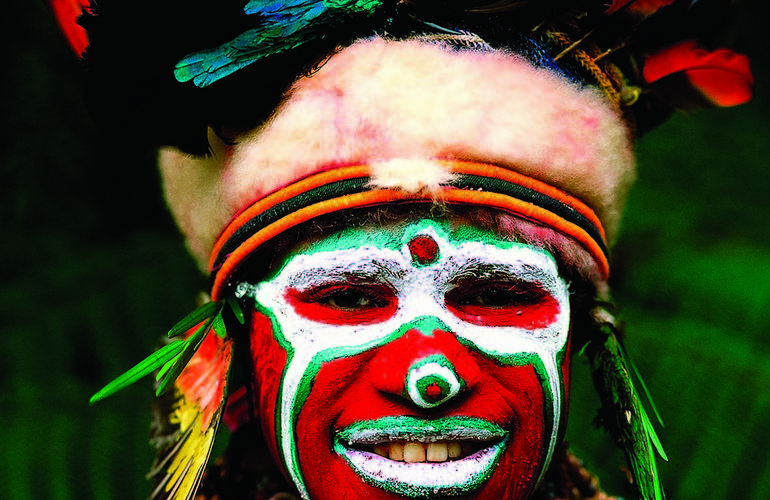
(343,188)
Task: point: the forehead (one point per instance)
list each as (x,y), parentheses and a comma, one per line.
(417,236)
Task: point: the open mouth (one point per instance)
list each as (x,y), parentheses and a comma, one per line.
(415,457)
(416,451)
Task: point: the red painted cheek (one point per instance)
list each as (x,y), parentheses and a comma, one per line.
(342,394)
(340,386)
(521,392)
(269,362)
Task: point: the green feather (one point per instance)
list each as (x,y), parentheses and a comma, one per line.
(279,26)
(172,358)
(647,394)
(202,313)
(142,369)
(218,325)
(193,342)
(235,306)
(166,367)
(622,412)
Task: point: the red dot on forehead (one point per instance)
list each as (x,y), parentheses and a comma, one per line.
(424,250)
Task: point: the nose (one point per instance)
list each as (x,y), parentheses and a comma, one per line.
(431,381)
(425,365)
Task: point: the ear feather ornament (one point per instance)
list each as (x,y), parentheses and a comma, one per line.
(187,419)
(622,413)
(192,376)
(67,13)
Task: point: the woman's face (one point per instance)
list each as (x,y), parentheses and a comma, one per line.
(422,359)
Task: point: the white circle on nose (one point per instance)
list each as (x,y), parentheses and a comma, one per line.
(431,384)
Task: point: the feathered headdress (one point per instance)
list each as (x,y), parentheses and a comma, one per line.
(165,76)
(175,68)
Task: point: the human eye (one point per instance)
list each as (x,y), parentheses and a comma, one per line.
(345,303)
(503,302)
(350,297)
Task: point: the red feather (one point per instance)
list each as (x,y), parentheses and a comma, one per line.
(639,7)
(187,418)
(723,77)
(67,13)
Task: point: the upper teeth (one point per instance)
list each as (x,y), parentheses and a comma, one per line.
(418,475)
(414,451)
(417,457)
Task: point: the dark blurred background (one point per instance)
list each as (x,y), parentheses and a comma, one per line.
(93,271)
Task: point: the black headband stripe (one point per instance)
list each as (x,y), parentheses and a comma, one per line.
(361,184)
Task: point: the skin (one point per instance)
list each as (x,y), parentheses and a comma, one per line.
(380,337)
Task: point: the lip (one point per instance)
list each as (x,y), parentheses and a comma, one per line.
(449,478)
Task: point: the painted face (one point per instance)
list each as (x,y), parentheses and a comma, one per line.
(420,360)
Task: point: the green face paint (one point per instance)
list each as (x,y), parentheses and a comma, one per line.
(414,310)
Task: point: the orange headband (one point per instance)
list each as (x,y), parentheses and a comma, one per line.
(344,188)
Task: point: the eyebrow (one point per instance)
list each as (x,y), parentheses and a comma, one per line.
(477,269)
(359,269)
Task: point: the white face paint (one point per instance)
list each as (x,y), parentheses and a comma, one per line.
(316,318)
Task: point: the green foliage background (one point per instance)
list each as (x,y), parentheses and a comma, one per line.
(93,272)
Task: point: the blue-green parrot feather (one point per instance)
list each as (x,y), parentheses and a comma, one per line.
(281,26)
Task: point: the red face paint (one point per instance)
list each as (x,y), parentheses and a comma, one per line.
(269,360)
(511,397)
(382,344)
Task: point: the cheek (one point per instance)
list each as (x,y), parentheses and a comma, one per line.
(269,361)
(342,394)
(519,389)
(341,385)
(518,392)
